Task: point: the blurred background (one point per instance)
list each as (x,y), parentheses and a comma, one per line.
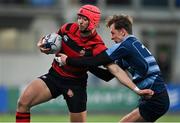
(24,22)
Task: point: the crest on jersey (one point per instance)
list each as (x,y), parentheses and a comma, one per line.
(66,38)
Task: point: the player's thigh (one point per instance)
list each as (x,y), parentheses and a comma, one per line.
(78,102)
(36,92)
(133,116)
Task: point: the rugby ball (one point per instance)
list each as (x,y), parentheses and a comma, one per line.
(52,41)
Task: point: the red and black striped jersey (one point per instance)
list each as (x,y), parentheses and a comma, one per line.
(73,45)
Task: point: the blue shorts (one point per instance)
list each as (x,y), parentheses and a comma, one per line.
(154,108)
(60,86)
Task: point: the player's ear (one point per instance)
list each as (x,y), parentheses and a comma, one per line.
(123,32)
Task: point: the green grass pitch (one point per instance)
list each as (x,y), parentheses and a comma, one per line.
(90,118)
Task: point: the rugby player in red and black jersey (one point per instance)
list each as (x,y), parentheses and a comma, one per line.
(79,39)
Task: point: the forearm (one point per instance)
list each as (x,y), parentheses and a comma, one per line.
(101,59)
(122,76)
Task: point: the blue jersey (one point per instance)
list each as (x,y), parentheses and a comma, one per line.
(132,55)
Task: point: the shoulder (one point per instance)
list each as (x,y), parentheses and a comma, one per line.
(97,38)
(94,39)
(130,41)
(68,28)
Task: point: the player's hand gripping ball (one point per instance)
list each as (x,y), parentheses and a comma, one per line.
(53,42)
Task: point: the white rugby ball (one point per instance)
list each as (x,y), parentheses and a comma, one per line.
(52,41)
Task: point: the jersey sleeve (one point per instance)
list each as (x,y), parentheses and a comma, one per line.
(101,73)
(65,28)
(61,29)
(117,51)
(100,59)
(123,64)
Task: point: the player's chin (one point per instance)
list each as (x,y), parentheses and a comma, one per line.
(82,28)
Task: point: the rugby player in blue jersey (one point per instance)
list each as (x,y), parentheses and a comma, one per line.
(132,56)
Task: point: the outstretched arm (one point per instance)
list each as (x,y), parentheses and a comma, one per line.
(101,59)
(122,76)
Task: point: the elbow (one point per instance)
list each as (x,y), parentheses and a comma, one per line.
(114,70)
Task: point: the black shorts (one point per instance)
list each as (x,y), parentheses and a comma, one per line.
(154,108)
(60,86)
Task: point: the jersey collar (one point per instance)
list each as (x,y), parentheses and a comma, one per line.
(126,37)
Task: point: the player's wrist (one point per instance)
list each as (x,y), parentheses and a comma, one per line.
(136,89)
(58,59)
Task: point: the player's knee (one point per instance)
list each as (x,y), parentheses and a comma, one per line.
(23,104)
